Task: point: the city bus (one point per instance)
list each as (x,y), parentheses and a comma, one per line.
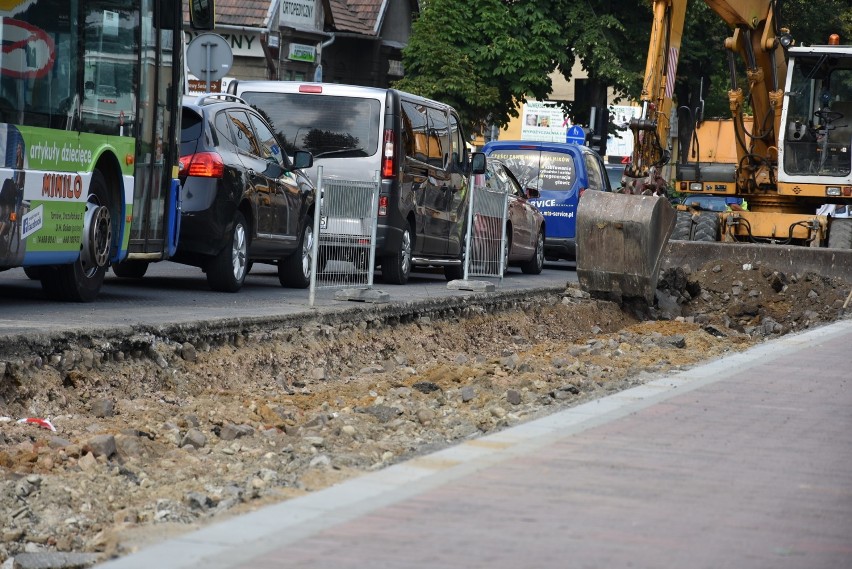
(89,130)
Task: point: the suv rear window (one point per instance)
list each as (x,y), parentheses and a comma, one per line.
(190,125)
(543,170)
(327,126)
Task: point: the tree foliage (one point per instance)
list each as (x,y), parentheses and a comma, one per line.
(485,57)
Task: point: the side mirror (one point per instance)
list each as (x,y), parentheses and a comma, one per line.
(477,163)
(303,159)
(533,193)
(202,14)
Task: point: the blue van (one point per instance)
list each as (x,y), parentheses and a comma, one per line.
(560,172)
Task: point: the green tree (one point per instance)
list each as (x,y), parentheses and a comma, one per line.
(485,57)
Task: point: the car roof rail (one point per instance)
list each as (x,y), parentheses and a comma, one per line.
(210,98)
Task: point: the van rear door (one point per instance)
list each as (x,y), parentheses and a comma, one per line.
(554,175)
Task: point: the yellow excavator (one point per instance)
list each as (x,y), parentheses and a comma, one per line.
(789,160)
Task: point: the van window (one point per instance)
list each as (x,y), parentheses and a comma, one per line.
(457,141)
(328,126)
(417,146)
(439,138)
(543,170)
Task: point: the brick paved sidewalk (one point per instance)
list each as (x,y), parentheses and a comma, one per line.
(745,462)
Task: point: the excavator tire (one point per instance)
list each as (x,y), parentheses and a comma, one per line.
(840,234)
(683,226)
(706,228)
(620,241)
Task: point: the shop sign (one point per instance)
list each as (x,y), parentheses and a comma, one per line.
(302,52)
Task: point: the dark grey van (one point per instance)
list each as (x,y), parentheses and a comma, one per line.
(416,144)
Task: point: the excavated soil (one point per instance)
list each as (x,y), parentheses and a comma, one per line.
(153,441)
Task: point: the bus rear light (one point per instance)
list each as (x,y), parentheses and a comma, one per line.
(388,163)
(202,165)
(383,206)
(310,88)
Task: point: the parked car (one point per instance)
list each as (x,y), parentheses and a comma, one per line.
(416,146)
(243,200)
(709,203)
(614,172)
(525,227)
(561,173)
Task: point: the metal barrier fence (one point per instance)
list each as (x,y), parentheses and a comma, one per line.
(344,253)
(487,246)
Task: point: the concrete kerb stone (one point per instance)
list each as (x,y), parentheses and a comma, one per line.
(370,295)
(474,286)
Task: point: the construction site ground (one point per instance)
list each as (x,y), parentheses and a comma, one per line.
(158,435)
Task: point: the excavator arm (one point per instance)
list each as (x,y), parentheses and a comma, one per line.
(754,39)
(651,129)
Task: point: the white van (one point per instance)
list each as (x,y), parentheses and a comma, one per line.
(416,144)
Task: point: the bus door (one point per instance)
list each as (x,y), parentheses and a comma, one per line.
(156,125)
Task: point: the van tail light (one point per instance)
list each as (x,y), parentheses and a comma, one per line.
(383,206)
(202,165)
(388,155)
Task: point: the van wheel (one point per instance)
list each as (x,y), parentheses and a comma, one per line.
(295,271)
(396,268)
(535,265)
(227,271)
(456,272)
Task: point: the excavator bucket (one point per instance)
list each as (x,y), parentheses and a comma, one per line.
(620,243)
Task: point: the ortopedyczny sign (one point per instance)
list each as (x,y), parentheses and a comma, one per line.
(298,14)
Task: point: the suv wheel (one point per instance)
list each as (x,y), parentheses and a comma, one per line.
(228,270)
(396,268)
(295,271)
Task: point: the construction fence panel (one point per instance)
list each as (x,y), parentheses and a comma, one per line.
(486,241)
(345,223)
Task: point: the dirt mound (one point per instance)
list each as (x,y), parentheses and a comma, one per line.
(163,437)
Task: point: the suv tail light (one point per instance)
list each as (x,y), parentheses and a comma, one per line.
(202,165)
(388,155)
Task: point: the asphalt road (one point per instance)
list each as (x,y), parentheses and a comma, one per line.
(171,293)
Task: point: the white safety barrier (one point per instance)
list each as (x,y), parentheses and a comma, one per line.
(486,243)
(344,254)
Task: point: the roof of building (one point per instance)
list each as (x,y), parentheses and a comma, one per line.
(355,16)
(248,13)
(358,16)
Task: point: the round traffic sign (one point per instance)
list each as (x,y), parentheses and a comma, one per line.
(209,53)
(28,51)
(575,135)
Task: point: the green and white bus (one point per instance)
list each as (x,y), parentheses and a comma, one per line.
(89,127)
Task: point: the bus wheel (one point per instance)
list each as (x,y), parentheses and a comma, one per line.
(81,281)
